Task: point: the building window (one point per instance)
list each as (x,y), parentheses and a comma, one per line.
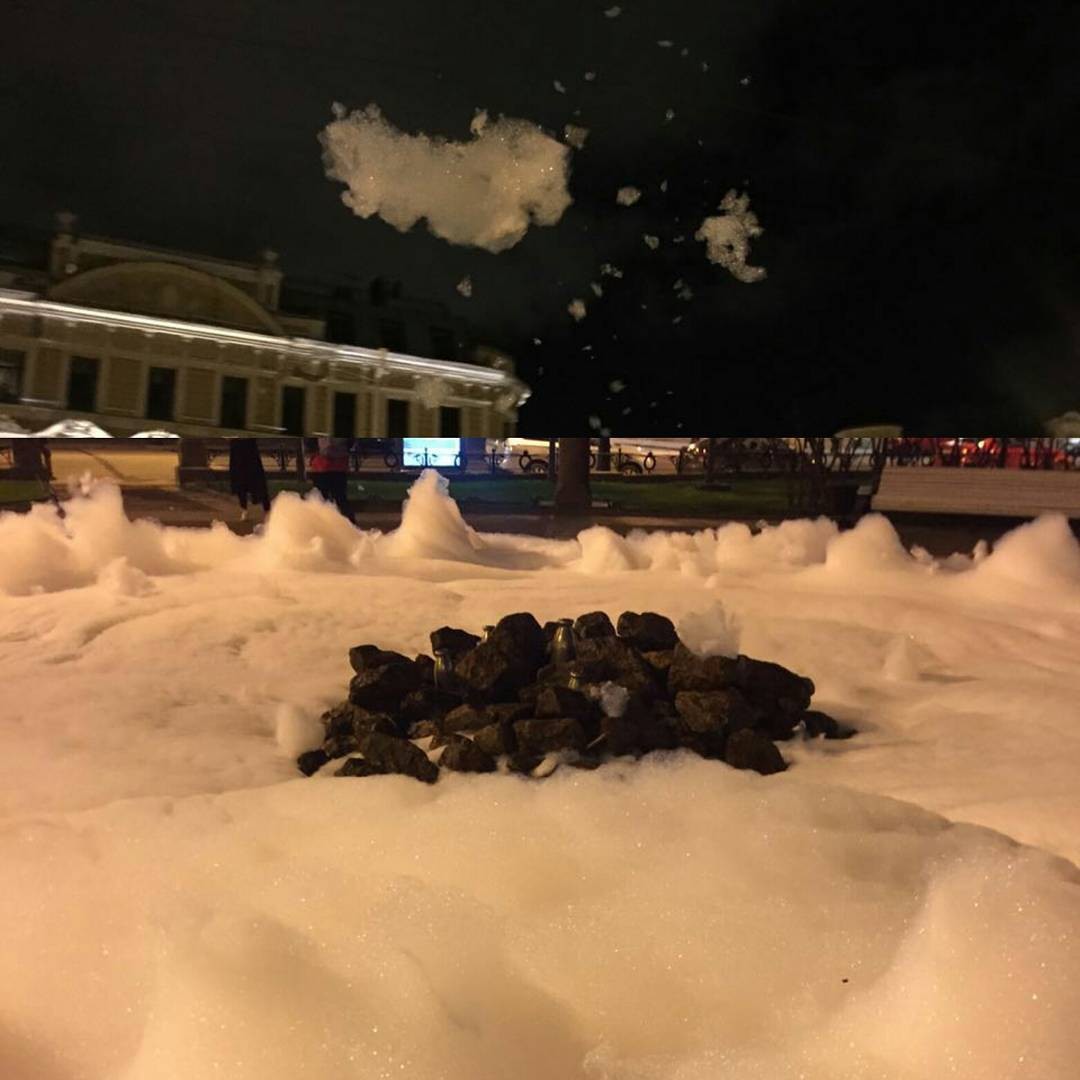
(392,335)
(449,422)
(344,415)
(12,366)
(397,418)
(161,394)
(443,345)
(234,395)
(83,383)
(292,410)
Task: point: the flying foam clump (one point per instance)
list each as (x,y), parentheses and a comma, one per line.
(483,192)
(727,237)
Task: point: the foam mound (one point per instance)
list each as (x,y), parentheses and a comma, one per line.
(594,926)
(47,554)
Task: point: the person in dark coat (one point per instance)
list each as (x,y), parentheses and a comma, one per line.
(328,468)
(246,475)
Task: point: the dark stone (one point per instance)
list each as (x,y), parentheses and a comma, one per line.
(595,624)
(527,695)
(659,660)
(499,667)
(610,659)
(772,686)
(656,722)
(488,674)
(544,736)
(426,703)
(642,727)
(550,675)
(311,761)
(496,739)
(549,629)
(463,755)
(365,722)
(390,755)
(358,766)
(701,711)
(647,632)
(506,712)
(456,642)
(463,718)
(819,723)
(555,701)
(749,749)
(664,710)
(778,726)
(585,762)
(426,666)
(688,671)
(341,746)
(423,729)
(369,657)
(348,719)
(382,689)
(520,638)
(525,762)
(338,720)
(442,739)
(618,736)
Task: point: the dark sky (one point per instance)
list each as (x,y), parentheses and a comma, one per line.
(914,165)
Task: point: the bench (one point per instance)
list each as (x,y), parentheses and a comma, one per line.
(1015,493)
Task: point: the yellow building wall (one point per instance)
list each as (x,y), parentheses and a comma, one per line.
(427,421)
(472,422)
(199,387)
(318,405)
(48,374)
(123,385)
(264,403)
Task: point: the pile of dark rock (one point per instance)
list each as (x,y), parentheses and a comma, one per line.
(532,697)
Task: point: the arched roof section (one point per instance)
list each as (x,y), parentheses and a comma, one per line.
(169,291)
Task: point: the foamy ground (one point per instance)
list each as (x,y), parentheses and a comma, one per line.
(178,903)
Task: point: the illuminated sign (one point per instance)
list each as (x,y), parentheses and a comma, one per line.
(436,453)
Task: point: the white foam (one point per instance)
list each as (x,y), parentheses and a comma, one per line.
(727,237)
(712,631)
(493,926)
(176,897)
(485,192)
(296,730)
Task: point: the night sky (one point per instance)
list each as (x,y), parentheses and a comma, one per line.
(914,166)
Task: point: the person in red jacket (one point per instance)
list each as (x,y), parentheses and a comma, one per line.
(328,468)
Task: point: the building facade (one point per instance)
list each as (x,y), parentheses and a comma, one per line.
(136,338)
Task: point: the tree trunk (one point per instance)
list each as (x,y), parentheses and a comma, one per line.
(603,454)
(710,462)
(28,458)
(572,494)
(194,454)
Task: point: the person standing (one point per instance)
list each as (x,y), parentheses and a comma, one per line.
(329,471)
(247,478)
